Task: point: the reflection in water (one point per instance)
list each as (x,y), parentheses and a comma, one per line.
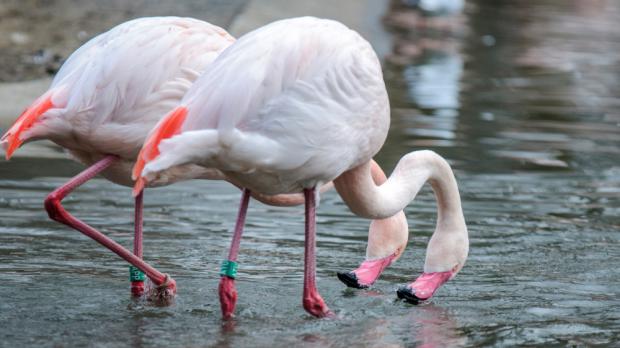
(435,87)
(431,68)
(533,109)
(443,15)
(437,7)
(435,327)
(426,325)
(435,82)
(521,97)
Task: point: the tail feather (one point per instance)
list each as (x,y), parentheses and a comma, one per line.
(11,139)
(169,126)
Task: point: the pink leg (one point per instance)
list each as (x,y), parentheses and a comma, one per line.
(312,301)
(165,286)
(227,291)
(135,275)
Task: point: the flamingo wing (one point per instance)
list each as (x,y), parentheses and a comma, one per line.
(280,98)
(115,87)
(149,63)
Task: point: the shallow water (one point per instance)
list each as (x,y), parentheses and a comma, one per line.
(521,99)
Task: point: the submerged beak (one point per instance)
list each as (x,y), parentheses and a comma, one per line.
(11,140)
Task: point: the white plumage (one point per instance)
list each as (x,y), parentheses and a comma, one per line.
(101,106)
(114,89)
(295,104)
(288,106)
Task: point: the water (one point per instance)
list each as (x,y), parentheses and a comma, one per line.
(522,100)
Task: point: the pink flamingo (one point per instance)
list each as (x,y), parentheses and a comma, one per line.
(289,107)
(102,104)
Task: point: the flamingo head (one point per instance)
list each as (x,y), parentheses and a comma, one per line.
(17,134)
(169,126)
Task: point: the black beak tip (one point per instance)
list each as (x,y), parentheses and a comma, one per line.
(350,280)
(408,294)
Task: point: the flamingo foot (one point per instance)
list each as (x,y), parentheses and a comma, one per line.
(367,273)
(228,297)
(423,287)
(163,294)
(315,305)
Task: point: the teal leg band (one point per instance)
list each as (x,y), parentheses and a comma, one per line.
(135,274)
(229,269)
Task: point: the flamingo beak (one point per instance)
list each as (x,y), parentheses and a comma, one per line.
(139,186)
(424,287)
(166,128)
(5,146)
(12,139)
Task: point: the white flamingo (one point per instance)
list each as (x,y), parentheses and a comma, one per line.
(102,104)
(289,107)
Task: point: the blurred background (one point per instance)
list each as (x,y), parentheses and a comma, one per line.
(522,98)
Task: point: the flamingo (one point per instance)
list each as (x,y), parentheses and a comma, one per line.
(102,104)
(293,105)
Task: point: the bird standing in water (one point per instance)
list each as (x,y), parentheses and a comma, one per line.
(102,104)
(289,107)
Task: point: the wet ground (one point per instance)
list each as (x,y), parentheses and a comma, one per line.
(523,100)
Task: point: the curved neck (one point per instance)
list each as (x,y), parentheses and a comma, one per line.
(366,199)
(449,245)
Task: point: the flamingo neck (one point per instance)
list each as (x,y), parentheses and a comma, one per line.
(367,199)
(449,244)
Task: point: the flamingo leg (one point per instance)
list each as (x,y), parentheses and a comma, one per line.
(135,275)
(312,301)
(165,286)
(227,291)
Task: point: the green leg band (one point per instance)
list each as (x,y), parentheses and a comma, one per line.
(135,274)
(229,269)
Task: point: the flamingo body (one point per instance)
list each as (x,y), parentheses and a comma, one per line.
(101,106)
(113,90)
(295,104)
(307,104)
